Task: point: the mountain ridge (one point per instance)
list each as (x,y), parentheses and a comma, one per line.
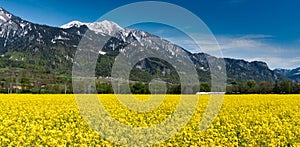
(50,50)
(293,74)
(105,26)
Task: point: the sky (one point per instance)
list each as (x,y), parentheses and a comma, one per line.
(267,30)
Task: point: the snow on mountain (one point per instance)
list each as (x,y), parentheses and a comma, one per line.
(3,19)
(11,26)
(4,16)
(112,29)
(57,47)
(106,27)
(284,72)
(293,74)
(75,23)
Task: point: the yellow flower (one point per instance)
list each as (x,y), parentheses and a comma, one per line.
(244,120)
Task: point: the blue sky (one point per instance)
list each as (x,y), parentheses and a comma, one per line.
(267,30)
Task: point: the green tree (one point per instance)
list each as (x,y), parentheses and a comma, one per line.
(286,86)
(264,87)
(204,87)
(104,88)
(174,89)
(251,86)
(139,88)
(276,88)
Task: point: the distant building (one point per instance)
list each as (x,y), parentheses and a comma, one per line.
(204,93)
(17,86)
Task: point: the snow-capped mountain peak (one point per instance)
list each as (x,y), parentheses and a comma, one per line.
(106,27)
(72,24)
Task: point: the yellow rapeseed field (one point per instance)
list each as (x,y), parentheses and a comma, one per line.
(244,120)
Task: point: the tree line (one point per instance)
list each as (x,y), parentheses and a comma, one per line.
(264,87)
(245,87)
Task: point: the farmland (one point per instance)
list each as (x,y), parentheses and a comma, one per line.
(244,120)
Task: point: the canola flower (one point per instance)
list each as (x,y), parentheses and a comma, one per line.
(244,120)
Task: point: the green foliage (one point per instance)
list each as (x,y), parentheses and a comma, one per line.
(263,87)
(174,89)
(104,88)
(139,88)
(286,87)
(204,87)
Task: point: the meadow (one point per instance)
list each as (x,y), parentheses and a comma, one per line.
(243,120)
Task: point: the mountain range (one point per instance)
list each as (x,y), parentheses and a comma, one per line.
(293,74)
(44,52)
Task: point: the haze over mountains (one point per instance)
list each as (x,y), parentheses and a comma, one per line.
(48,52)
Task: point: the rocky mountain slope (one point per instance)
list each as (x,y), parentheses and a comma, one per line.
(34,48)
